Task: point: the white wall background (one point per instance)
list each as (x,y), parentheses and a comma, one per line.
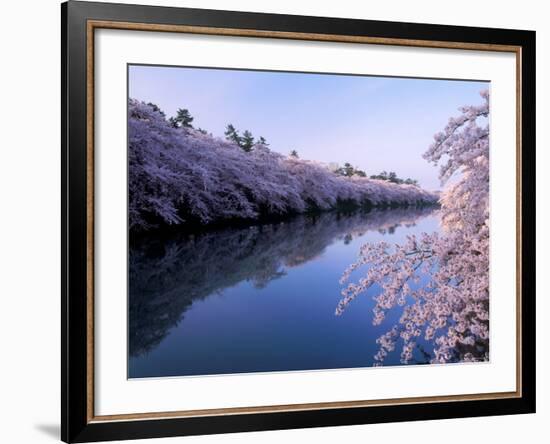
(30,208)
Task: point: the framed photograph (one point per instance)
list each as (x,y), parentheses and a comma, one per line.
(275,221)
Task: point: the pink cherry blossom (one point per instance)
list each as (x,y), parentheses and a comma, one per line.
(452,308)
(182,174)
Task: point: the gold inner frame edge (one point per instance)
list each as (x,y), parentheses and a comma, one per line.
(92,25)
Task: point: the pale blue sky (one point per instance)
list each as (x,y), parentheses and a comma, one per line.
(375,123)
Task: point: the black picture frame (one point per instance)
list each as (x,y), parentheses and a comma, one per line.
(76,423)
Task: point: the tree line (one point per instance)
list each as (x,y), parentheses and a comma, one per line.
(348,170)
(185,176)
(246,141)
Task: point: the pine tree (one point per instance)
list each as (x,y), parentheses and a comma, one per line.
(156,108)
(348,169)
(183,118)
(232,134)
(247,141)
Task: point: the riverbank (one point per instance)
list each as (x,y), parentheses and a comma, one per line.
(196,228)
(181,176)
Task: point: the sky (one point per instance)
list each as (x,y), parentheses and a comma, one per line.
(374,123)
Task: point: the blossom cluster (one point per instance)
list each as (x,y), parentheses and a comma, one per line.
(181,174)
(451,308)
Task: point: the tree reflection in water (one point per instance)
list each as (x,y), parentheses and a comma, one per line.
(166,275)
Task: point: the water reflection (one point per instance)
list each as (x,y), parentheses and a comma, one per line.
(167,275)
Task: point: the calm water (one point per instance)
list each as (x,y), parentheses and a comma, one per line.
(261,298)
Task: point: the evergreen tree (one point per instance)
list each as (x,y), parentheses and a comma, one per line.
(183,118)
(382,176)
(232,134)
(157,109)
(392,177)
(348,169)
(262,141)
(247,141)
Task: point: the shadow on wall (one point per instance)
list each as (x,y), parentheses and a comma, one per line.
(51,430)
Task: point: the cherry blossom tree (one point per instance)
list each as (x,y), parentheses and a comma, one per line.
(450,309)
(178,175)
